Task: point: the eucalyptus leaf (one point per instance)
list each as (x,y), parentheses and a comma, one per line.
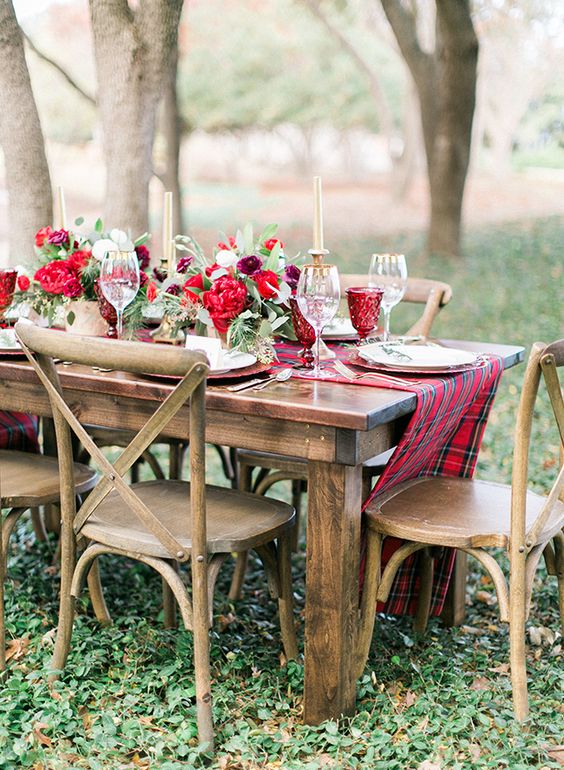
(99,226)
(79,221)
(273,259)
(248,239)
(268,233)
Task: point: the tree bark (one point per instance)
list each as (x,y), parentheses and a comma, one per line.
(21,139)
(133,50)
(446,86)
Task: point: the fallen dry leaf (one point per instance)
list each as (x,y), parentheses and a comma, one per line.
(557,753)
(480,683)
(485,597)
(17,648)
(427,764)
(225,621)
(471,630)
(503,668)
(39,736)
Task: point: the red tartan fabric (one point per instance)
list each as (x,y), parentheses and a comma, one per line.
(442,439)
(18,431)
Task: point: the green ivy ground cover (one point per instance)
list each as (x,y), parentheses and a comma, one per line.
(437,702)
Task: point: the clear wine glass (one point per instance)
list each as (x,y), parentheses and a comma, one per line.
(318,296)
(119,281)
(390,272)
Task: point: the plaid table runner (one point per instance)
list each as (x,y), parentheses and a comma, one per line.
(442,439)
(18,431)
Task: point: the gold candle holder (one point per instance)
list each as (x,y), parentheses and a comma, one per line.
(165,332)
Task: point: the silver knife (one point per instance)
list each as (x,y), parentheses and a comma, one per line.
(247,384)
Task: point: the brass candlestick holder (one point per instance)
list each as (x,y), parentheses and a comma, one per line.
(165,332)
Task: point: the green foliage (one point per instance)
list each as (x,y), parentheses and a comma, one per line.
(126,699)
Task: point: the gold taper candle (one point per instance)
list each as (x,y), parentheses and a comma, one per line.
(318,214)
(167,231)
(62,212)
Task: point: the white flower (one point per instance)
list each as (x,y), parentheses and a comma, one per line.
(102,246)
(226,258)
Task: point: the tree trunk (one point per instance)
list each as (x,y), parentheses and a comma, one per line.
(21,139)
(446,86)
(133,50)
(172,131)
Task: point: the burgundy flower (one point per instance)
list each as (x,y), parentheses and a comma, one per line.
(292,276)
(249,265)
(159,274)
(183,264)
(143,256)
(73,288)
(174,289)
(58,238)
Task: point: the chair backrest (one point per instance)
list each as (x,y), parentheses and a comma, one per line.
(43,345)
(544,361)
(433,295)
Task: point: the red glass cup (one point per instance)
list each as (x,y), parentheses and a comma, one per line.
(8,280)
(305,334)
(108,313)
(364,308)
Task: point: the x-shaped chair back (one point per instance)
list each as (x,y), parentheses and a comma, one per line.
(43,345)
(543,364)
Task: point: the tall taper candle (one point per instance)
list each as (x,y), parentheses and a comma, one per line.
(318,214)
(62,212)
(167,232)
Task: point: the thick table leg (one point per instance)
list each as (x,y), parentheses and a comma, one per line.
(332,569)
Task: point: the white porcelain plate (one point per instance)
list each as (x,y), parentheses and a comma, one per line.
(396,355)
(8,341)
(234,359)
(339,328)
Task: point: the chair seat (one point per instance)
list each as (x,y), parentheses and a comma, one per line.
(456,512)
(28,480)
(236,521)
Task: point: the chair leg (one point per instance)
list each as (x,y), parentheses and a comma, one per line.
(38,525)
(368,602)
(559,564)
(426,569)
(2,622)
(66,602)
(242,558)
(200,631)
(97,595)
(286,597)
(175,457)
(297,506)
(517,645)
(169,602)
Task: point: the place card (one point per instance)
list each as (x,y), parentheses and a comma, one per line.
(211,346)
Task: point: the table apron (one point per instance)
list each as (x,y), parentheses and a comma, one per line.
(306,440)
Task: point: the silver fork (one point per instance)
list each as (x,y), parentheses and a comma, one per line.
(350,374)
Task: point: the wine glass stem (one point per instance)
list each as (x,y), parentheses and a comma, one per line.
(119,323)
(316,365)
(387,323)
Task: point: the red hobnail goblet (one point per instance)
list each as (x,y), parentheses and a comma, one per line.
(108,313)
(364,308)
(8,280)
(305,334)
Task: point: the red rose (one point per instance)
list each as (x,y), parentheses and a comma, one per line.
(271,243)
(224,301)
(78,259)
(268,284)
(23,283)
(152,291)
(211,269)
(53,276)
(41,235)
(73,288)
(232,244)
(197,281)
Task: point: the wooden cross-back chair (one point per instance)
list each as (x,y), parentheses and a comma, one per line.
(474,515)
(433,296)
(27,481)
(162,522)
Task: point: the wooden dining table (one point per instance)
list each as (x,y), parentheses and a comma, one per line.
(334,426)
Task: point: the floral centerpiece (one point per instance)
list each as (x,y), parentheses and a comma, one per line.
(67,270)
(242,295)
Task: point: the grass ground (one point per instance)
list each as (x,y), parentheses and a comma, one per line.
(431,703)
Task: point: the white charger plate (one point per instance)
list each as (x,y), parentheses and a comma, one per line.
(417,357)
(233,359)
(339,328)
(9,343)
